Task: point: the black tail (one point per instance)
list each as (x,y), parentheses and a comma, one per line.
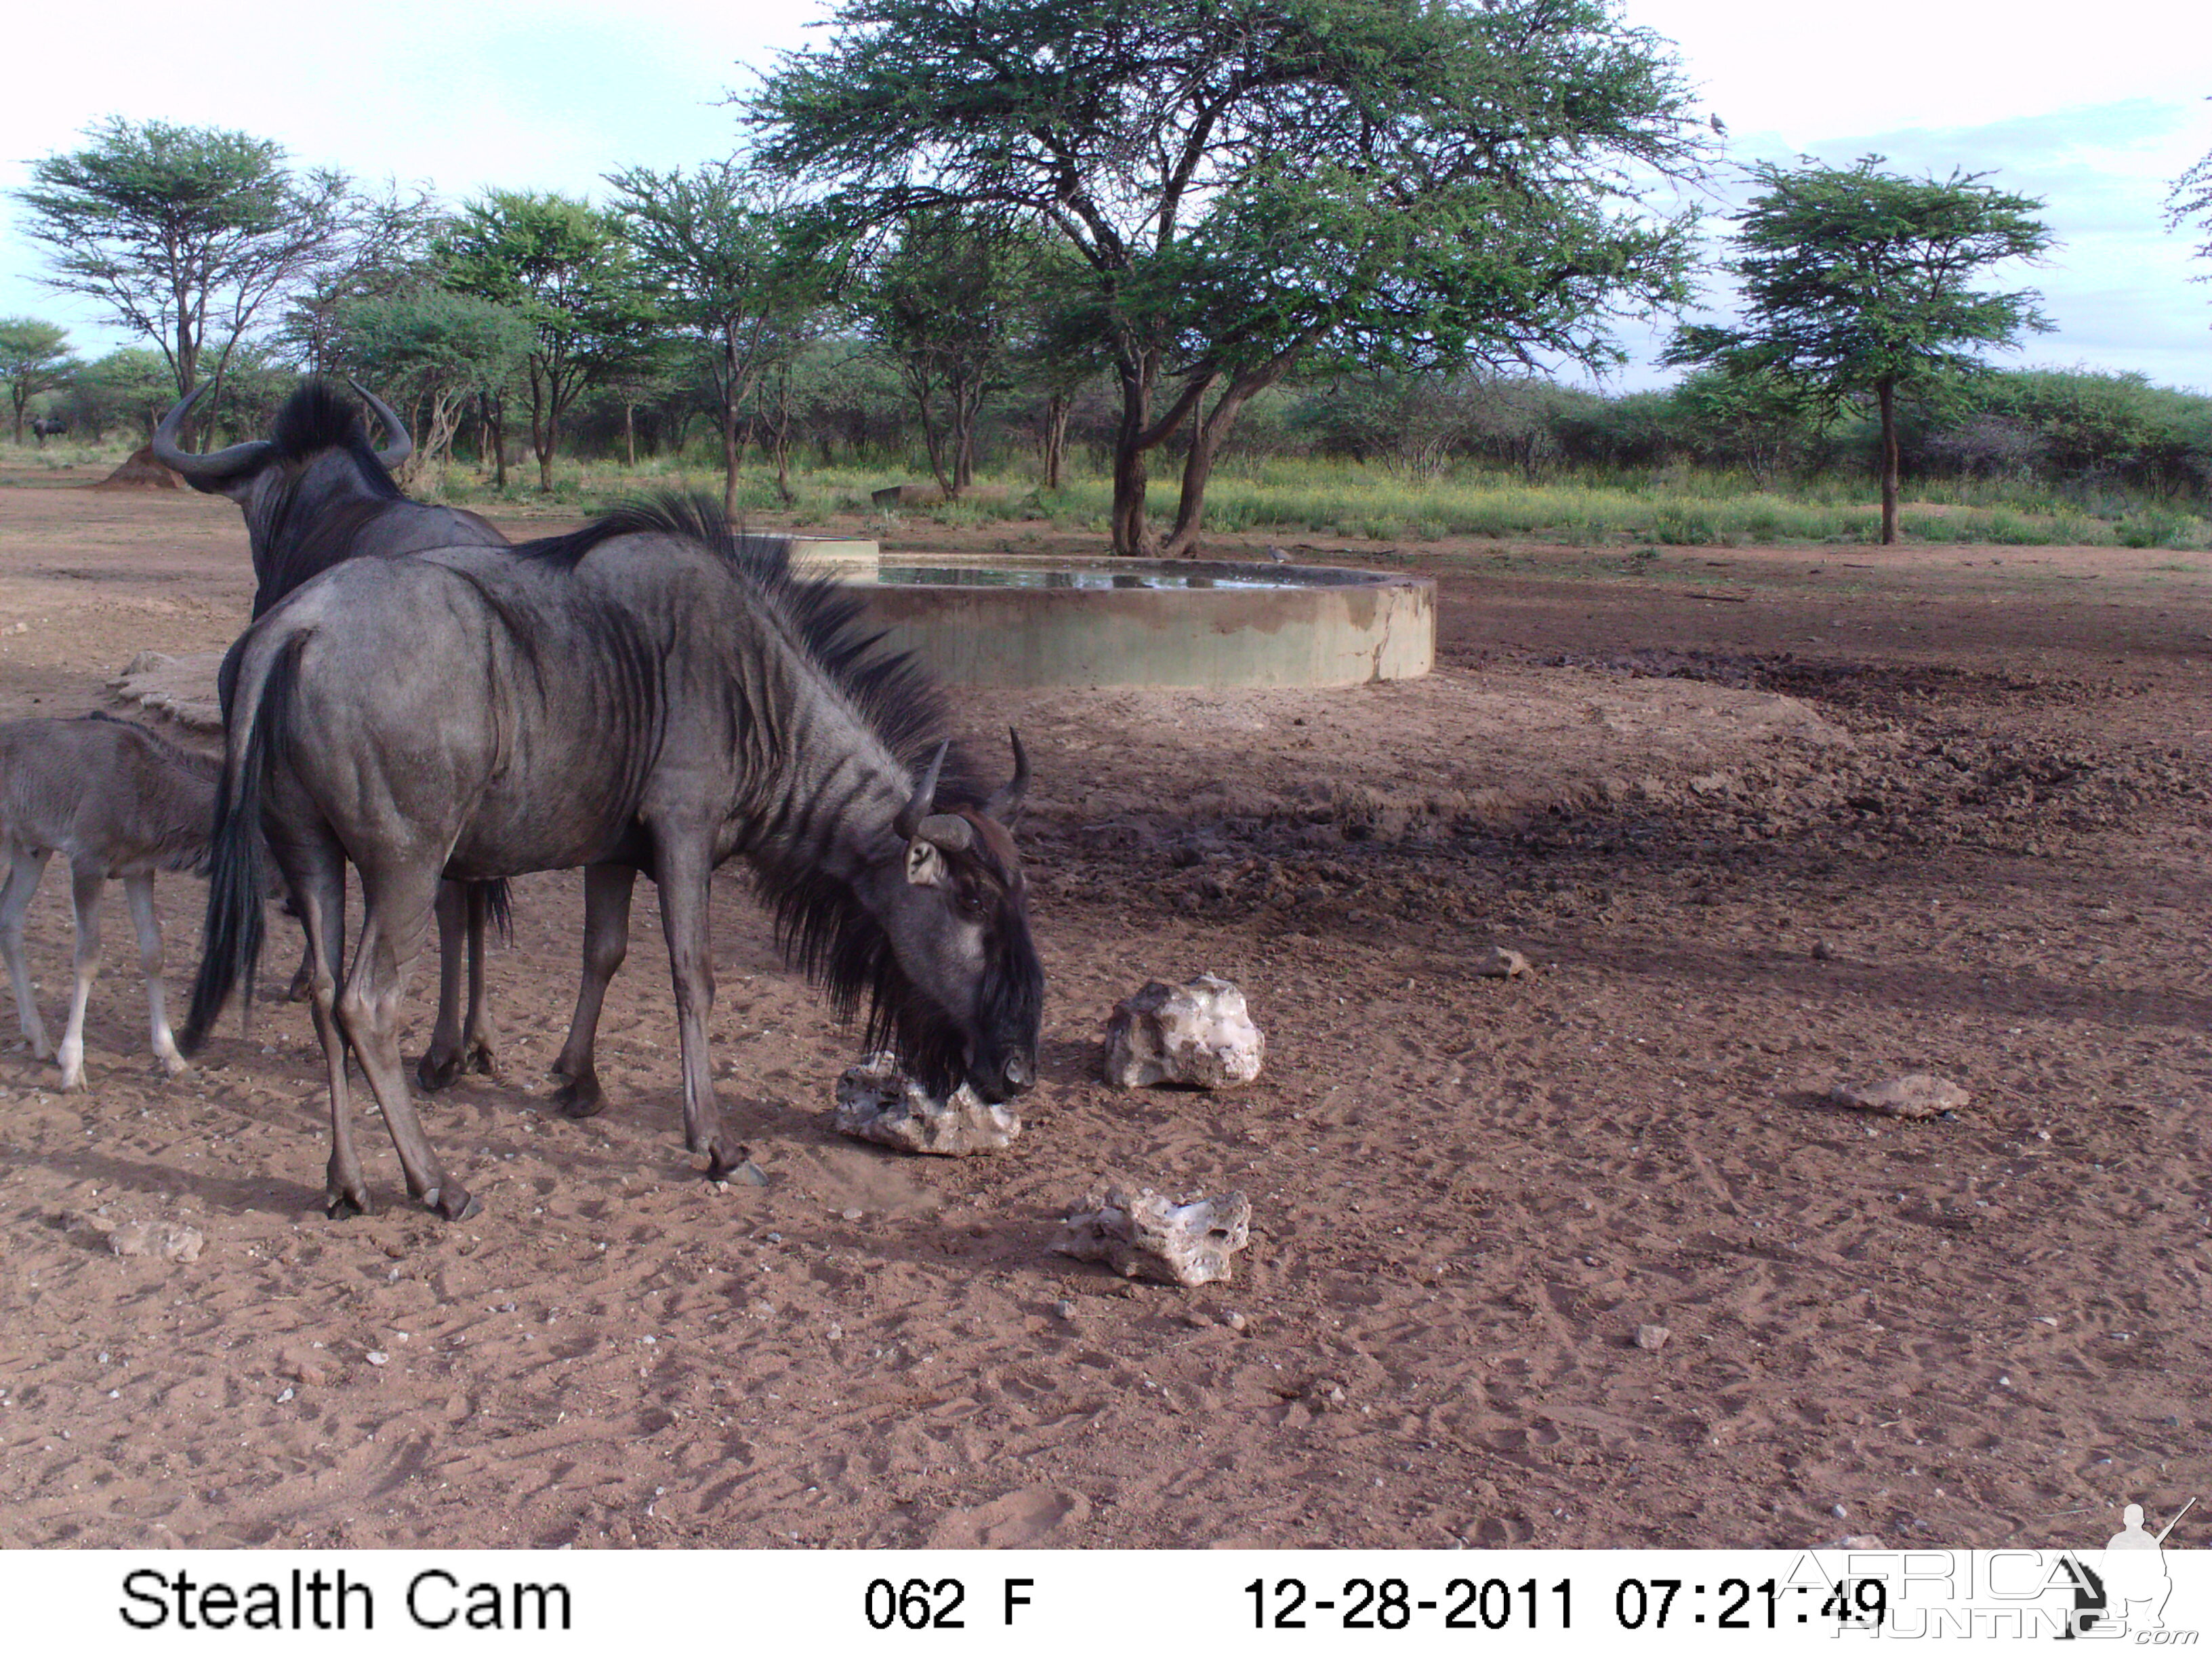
(498,910)
(230,944)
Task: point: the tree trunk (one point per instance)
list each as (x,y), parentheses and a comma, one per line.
(1206,444)
(1137,370)
(629,433)
(1886,392)
(1056,410)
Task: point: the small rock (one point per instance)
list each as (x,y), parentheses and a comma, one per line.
(877,1100)
(1856,1540)
(1198,1034)
(285,1398)
(1499,963)
(169,1240)
(1838,1511)
(375,1356)
(1236,1321)
(1822,952)
(1064,1308)
(1137,1232)
(1327,1396)
(853,1215)
(749,1174)
(1919,1095)
(1652,1338)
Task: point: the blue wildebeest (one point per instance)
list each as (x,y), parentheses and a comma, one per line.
(44,426)
(114,799)
(654,696)
(315,494)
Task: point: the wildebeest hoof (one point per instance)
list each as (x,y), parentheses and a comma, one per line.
(579,1099)
(343,1206)
(302,984)
(175,1065)
(454,1201)
(435,1072)
(483,1059)
(719,1164)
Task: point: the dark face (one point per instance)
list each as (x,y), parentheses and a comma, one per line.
(958,923)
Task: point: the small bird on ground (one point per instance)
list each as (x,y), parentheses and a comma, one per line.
(1278,556)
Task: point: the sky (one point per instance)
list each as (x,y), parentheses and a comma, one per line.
(2094,110)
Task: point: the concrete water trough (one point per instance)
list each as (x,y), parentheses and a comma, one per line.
(1017,621)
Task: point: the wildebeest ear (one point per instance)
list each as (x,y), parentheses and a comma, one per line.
(924,865)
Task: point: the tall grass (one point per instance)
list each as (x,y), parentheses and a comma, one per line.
(1284,497)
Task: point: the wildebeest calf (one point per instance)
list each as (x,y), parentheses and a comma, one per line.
(114,799)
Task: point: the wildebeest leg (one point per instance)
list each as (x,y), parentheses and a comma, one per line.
(684,875)
(318,883)
(606,941)
(23,875)
(479,1053)
(85,887)
(396,905)
(139,890)
(302,977)
(446,1059)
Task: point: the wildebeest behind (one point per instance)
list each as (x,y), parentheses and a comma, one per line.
(315,494)
(114,799)
(656,696)
(44,426)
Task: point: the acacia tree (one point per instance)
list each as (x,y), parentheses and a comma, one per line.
(732,260)
(1248,182)
(35,357)
(2190,200)
(565,266)
(1860,284)
(184,233)
(946,304)
(437,351)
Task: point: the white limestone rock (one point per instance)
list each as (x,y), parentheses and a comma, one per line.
(1199,1036)
(1139,1234)
(878,1101)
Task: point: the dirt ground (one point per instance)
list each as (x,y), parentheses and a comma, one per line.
(1765,820)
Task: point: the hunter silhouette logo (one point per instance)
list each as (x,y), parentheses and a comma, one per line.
(2127,1590)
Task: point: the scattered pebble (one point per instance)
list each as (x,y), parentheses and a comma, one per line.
(377,1357)
(1652,1338)
(1064,1307)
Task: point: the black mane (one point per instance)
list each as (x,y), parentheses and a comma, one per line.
(317,417)
(820,925)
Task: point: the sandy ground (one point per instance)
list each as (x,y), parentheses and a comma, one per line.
(1765,820)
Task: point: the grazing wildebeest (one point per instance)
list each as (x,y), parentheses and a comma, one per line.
(315,494)
(114,799)
(44,426)
(647,693)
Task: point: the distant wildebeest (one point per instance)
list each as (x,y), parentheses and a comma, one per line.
(114,799)
(654,695)
(44,426)
(315,494)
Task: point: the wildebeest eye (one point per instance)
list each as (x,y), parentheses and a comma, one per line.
(970,902)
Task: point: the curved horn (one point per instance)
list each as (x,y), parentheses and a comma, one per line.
(908,821)
(1008,798)
(402,445)
(207,470)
